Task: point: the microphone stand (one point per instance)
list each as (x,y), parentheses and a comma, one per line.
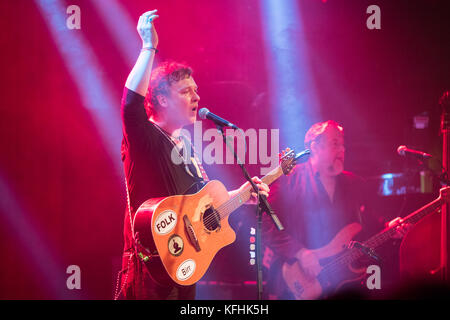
(261,207)
(445,221)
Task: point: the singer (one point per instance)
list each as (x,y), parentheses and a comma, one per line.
(155,105)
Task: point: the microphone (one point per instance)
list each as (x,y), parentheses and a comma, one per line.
(204,113)
(404,151)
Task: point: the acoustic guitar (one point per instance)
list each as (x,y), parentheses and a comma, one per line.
(188,230)
(338,271)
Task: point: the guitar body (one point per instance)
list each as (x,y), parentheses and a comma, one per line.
(309,288)
(185,230)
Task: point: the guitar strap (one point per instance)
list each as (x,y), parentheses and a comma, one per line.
(195,161)
(199,164)
(138,249)
(117,293)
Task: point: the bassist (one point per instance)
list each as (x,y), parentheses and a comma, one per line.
(316,203)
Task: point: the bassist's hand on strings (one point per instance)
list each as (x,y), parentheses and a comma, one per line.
(308,262)
(401,228)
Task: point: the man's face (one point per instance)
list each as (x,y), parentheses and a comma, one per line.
(182,101)
(330,151)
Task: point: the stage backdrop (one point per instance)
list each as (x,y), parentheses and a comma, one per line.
(260,64)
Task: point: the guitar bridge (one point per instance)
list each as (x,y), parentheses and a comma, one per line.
(191,233)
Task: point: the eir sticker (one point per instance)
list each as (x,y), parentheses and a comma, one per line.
(185,270)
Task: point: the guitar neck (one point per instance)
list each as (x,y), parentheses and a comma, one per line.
(380,238)
(412,218)
(243,196)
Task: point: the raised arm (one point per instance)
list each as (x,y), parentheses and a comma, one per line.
(139,77)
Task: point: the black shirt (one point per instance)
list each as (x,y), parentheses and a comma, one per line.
(310,218)
(147,152)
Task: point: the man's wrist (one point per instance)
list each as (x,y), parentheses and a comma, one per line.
(149,48)
(148,45)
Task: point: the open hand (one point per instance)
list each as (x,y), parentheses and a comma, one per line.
(146,29)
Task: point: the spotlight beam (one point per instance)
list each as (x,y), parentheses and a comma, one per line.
(292,94)
(121,27)
(88,76)
(31,242)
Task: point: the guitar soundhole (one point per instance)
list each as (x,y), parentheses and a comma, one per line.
(211,219)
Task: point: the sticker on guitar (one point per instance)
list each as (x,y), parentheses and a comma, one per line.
(165,222)
(175,245)
(186,270)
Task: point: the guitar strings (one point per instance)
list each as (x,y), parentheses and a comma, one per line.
(375,241)
(228,206)
(339,262)
(354,254)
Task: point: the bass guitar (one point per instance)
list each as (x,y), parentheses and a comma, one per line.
(343,253)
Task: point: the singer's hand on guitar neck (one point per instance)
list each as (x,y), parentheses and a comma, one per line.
(262,187)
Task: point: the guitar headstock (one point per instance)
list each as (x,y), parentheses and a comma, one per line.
(289,159)
(444,194)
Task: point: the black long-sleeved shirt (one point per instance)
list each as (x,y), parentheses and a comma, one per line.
(146,155)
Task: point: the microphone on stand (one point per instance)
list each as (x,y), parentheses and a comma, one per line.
(405,152)
(204,113)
